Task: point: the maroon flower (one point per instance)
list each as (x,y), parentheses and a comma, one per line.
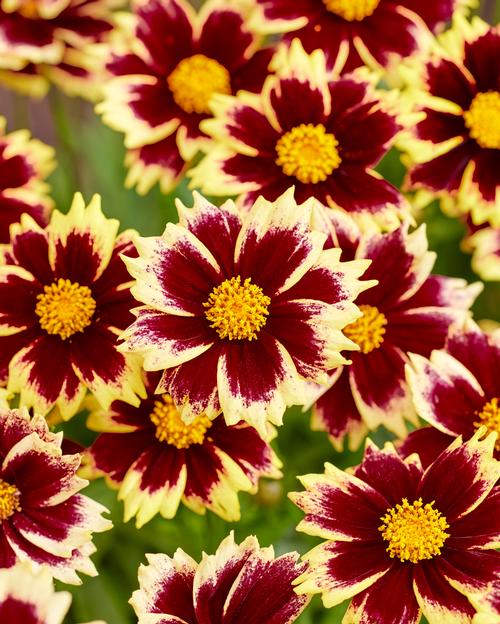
(167,70)
(402,541)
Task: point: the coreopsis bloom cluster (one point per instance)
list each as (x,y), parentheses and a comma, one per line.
(156,370)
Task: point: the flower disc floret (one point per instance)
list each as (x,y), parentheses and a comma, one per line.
(352,10)
(9,500)
(65,308)
(195,79)
(489,417)
(483,119)
(308,152)
(367,331)
(237,311)
(170,428)
(414,531)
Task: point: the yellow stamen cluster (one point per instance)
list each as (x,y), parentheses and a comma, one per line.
(352,10)
(170,428)
(308,152)
(65,308)
(29,8)
(194,81)
(9,500)
(483,119)
(237,310)
(414,531)
(367,331)
(489,417)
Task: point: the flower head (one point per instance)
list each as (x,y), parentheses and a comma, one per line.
(24,164)
(44,519)
(308,128)
(239,311)
(431,534)
(239,583)
(64,296)
(157,460)
(455,149)
(170,63)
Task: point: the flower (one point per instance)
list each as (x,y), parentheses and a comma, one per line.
(454,151)
(24,164)
(372,32)
(391,525)
(167,68)
(308,128)
(64,297)
(457,391)
(156,459)
(409,310)
(50,40)
(484,243)
(252,303)
(44,519)
(240,583)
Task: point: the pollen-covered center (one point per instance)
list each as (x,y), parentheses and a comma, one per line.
(65,308)
(308,152)
(352,10)
(9,500)
(194,81)
(237,310)
(414,531)
(489,417)
(367,331)
(483,119)
(170,427)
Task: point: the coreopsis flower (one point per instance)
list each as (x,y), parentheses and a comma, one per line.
(371,32)
(157,460)
(457,391)
(402,541)
(64,297)
(484,244)
(43,41)
(173,63)
(455,149)
(308,128)
(43,518)
(240,311)
(409,310)
(240,583)
(24,165)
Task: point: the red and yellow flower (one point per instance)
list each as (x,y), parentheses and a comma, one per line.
(371,32)
(254,302)
(484,244)
(64,298)
(44,519)
(166,71)
(24,165)
(408,311)
(454,151)
(239,583)
(309,128)
(157,460)
(457,391)
(391,525)
(50,40)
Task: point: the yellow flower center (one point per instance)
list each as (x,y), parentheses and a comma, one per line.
(9,500)
(483,119)
(414,531)
(237,311)
(367,331)
(194,81)
(489,417)
(29,9)
(65,308)
(170,428)
(308,152)
(352,10)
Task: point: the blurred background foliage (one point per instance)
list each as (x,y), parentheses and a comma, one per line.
(90,159)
